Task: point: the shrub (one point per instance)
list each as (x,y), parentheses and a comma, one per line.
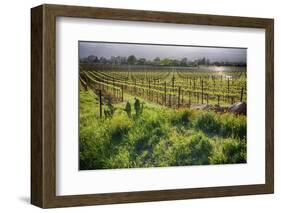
(118,127)
(161,153)
(181,118)
(233,126)
(148,130)
(194,150)
(230,151)
(119,160)
(207,122)
(93,148)
(235,151)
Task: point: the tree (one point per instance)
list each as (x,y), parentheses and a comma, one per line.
(175,62)
(103,60)
(93,59)
(166,62)
(183,62)
(202,61)
(157,61)
(131,59)
(141,61)
(207,62)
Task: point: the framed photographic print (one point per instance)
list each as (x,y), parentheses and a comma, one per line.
(136,106)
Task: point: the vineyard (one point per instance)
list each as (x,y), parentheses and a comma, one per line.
(172,88)
(135,117)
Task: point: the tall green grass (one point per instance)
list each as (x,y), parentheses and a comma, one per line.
(158,137)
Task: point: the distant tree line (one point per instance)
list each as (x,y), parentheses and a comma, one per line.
(133,60)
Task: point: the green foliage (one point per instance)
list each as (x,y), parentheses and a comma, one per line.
(234,151)
(94,146)
(157,136)
(120,160)
(181,118)
(118,127)
(230,151)
(194,150)
(207,122)
(132,59)
(146,133)
(233,126)
(226,125)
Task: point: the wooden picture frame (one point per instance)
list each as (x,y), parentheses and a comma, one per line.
(43,105)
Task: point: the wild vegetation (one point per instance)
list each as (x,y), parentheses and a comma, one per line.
(138,112)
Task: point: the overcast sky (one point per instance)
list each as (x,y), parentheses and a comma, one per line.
(163,51)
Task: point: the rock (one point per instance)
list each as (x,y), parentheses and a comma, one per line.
(198,106)
(238,108)
(218,108)
(215,108)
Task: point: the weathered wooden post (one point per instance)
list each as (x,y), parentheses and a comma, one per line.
(194,84)
(228,89)
(135,86)
(148,89)
(202,90)
(179,97)
(157,96)
(165,89)
(182,92)
(170,101)
(189,98)
(241,96)
(100,97)
(122,93)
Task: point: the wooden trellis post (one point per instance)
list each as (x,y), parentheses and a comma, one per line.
(165,88)
(189,98)
(241,96)
(182,92)
(194,84)
(202,90)
(170,101)
(179,97)
(148,89)
(135,86)
(228,89)
(100,99)
(122,93)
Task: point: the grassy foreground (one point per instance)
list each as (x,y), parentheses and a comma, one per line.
(158,137)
